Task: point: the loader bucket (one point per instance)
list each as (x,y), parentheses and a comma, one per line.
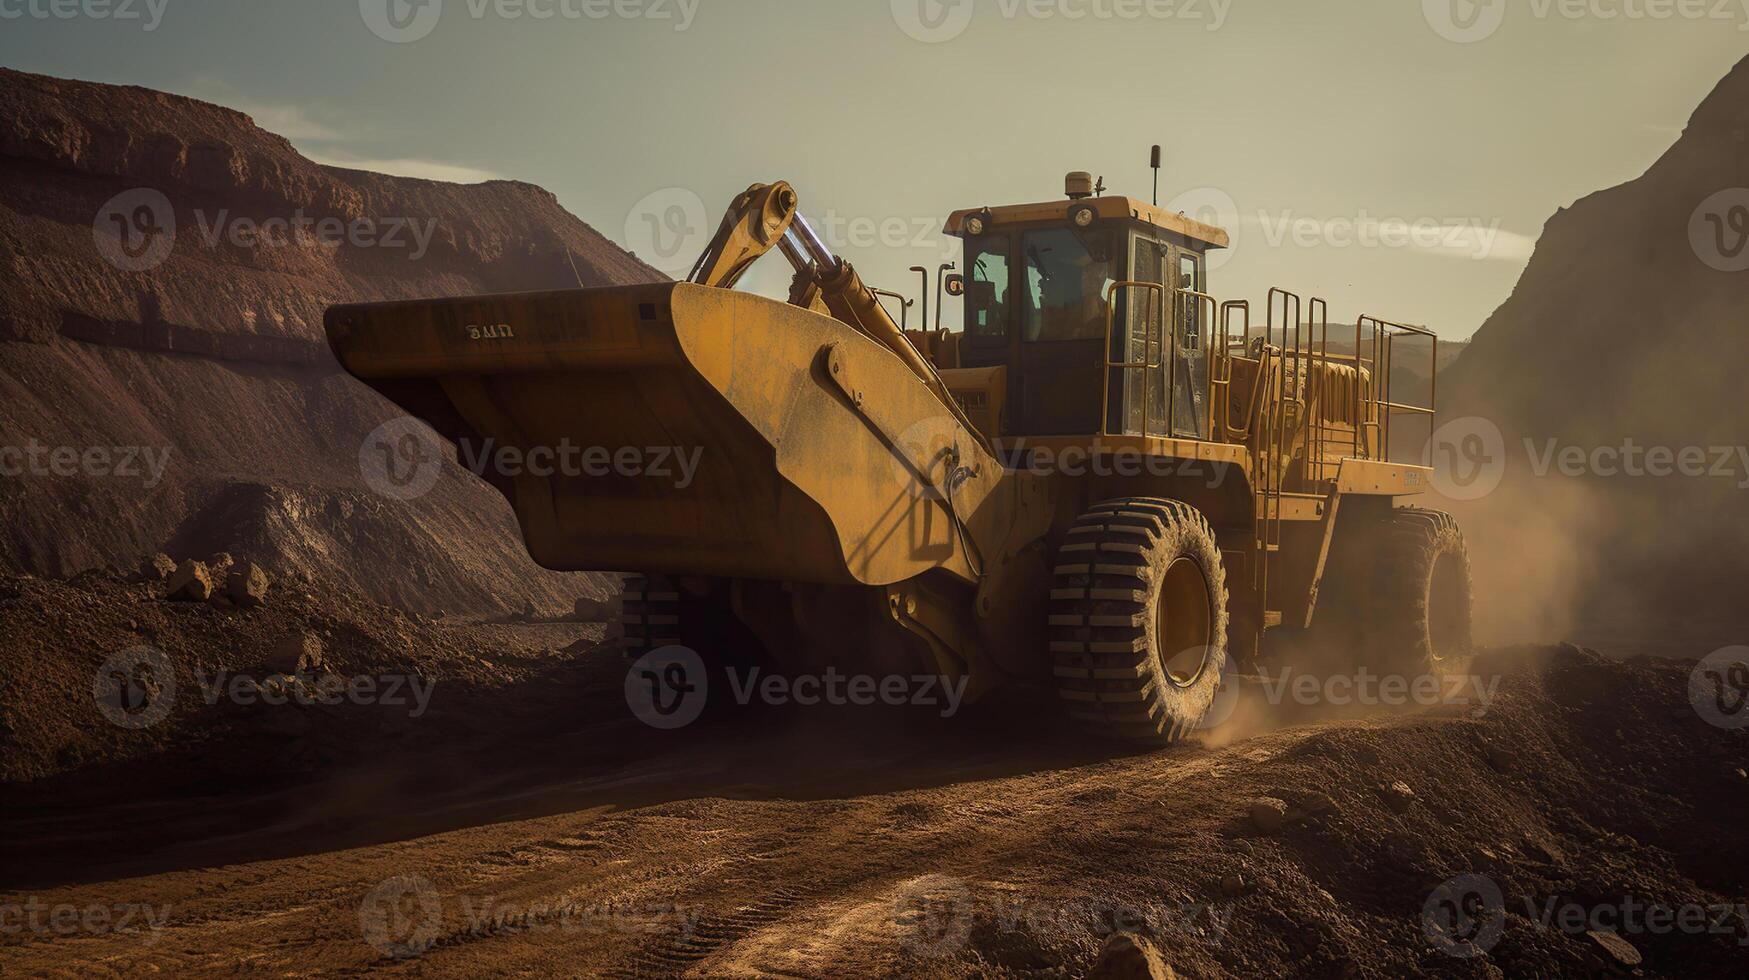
(814,450)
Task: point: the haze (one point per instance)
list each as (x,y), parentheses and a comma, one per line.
(1397,158)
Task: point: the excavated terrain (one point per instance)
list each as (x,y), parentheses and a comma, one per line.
(527,822)
(455,782)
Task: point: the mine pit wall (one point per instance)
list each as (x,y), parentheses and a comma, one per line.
(1627,323)
(216,357)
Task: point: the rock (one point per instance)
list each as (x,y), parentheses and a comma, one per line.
(587,610)
(192,582)
(1616,947)
(1233,884)
(247,585)
(221,562)
(157,568)
(1313,804)
(1544,851)
(1128,956)
(299,653)
(1268,815)
(1399,797)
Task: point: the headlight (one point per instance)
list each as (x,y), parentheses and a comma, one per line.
(975,225)
(1083,217)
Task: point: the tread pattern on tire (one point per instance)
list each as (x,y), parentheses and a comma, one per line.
(1103,603)
(649,615)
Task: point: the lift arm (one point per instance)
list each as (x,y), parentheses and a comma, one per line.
(756,222)
(764,217)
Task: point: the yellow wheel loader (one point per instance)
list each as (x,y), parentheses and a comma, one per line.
(1109,484)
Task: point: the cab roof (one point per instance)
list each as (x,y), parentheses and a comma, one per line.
(1107,208)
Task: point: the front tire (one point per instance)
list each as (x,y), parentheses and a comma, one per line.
(1138,619)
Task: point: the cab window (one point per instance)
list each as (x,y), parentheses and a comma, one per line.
(987,286)
(1065,276)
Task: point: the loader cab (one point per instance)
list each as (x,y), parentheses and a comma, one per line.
(1078,301)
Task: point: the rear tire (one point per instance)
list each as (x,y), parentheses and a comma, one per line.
(1421,596)
(1138,619)
(657,611)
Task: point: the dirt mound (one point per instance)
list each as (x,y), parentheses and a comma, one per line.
(1626,330)
(1585,820)
(61,640)
(164,266)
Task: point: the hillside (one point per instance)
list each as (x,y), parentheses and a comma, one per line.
(165,265)
(1626,330)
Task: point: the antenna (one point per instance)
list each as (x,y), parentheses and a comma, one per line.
(1154,161)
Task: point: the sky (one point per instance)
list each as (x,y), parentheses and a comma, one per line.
(1397,157)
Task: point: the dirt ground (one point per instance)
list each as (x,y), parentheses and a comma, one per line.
(527,823)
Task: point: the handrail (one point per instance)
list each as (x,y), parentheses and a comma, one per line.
(1147,364)
(904,305)
(1382,353)
(1215,357)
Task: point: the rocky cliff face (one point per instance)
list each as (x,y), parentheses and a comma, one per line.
(1631,323)
(165,266)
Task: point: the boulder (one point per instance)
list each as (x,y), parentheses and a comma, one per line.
(299,653)
(191,582)
(1617,948)
(1268,815)
(247,585)
(157,568)
(1130,956)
